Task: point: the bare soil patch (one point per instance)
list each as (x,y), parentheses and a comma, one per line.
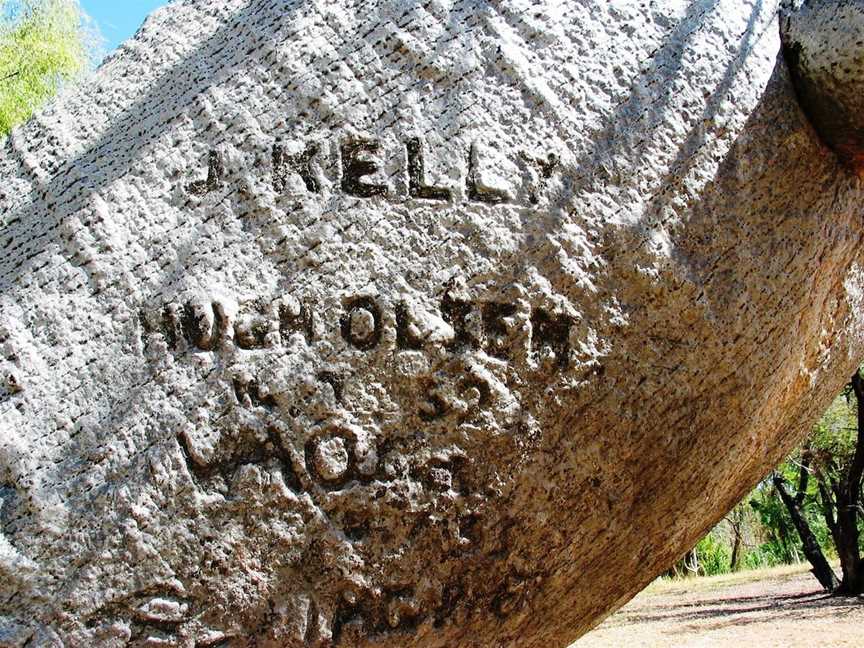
(782,607)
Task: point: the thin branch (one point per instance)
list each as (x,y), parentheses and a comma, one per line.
(806,467)
(10,76)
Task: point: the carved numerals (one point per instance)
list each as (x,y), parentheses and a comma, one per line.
(465,394)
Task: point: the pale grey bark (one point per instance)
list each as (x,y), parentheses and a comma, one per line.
(406,324)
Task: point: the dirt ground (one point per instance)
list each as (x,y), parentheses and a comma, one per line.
(782,608)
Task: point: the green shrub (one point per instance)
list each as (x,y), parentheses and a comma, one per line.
(714,556)
(43,45)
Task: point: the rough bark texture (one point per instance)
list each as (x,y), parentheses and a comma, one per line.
(824,50)
(406,323)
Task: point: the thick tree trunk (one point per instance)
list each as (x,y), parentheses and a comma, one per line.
(821,569)
(411,324)
(848,498)
(848,551)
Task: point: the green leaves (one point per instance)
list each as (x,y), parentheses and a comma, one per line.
(44,44)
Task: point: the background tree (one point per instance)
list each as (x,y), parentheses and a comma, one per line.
(813,500)
(44,44)
(838,445)
(812,549)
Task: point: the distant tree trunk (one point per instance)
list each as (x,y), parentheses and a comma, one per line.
(736,523)
(691,561)
(821,569)
(687,565)
(736,558)
(847,496)
(782,536)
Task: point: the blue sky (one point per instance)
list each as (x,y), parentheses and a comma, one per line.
(119,19)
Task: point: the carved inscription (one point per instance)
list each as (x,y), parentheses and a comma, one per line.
(417,187)
(244,448)
(297,163)
(296,317)
(488,326)
(544,169)
(497,329)
(361,323)
(551,334)
(407,334)
(457,313)
(335,457)
(394,609)
(360,160)
(458,387)
(215,173)
(461,392)
(356,164)
(249,394)
(206,327)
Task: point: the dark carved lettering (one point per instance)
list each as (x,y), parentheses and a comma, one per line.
(195,325)
(171,326)
(393,609)
(417,187)
(235,451)
(496,329)
(478,392)
(336,381)
(457,313)
(249,394)
(331,458)
(298,163)
(433,406)
(362,160)
(251,331)
(406,332)
(361,323)
(470,528)
(354,168)
(476,193)
(446,474)
(452,594)
(202,329)
(544,168)
(551,332)
(215,173)
(348,625)
(295,319)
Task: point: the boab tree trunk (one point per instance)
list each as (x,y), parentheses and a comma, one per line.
(410,324)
